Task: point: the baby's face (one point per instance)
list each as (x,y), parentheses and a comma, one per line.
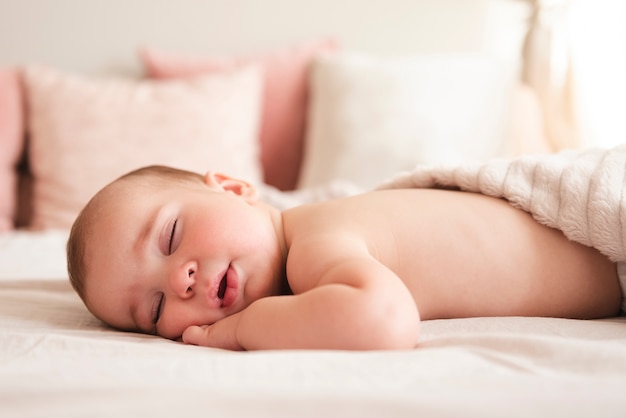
(162,259)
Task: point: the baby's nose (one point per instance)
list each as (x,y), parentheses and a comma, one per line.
(183,280)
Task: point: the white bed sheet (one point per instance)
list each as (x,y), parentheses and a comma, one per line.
(57,360)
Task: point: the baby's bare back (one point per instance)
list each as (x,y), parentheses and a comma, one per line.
(464,254)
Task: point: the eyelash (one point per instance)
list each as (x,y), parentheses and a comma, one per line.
(171,240)
(156,309)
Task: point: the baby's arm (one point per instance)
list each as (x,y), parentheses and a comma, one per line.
(356,304)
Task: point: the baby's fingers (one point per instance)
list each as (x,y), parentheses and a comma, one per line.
(196,335)
(219,335)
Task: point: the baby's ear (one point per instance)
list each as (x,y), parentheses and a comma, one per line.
(229,184)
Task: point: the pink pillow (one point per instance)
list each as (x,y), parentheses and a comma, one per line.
(285,99)
(85,132)
(11,144)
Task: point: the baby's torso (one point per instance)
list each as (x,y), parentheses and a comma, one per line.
(459,254)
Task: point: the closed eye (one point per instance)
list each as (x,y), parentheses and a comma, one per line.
(171,240)
(157,308)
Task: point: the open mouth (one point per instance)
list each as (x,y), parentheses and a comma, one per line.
(226,293)
(223,285)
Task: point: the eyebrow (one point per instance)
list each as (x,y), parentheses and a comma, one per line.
(148,227)
(134,314)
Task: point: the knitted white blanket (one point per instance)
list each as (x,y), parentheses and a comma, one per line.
(579,192)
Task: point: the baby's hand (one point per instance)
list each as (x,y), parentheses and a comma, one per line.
(217,335)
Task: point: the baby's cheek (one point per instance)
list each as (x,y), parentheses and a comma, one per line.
(171,325)
(171,332)
(179,317)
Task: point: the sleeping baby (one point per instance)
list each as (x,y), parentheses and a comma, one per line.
(202,259)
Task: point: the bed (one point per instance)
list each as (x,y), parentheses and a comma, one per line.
(310,102)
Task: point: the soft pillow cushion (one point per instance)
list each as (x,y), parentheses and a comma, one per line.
(11,144)
(372,116)
(284,105)
(85,132)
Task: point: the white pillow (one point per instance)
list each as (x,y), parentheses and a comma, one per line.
(85,132)
(371,116)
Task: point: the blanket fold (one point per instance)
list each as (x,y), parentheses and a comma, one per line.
(579,192)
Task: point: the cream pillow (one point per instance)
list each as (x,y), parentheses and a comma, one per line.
(85,132)
(372,116)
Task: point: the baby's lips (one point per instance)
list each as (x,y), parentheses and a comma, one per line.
(232,286)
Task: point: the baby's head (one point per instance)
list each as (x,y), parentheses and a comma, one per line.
(82,229)
(160,249)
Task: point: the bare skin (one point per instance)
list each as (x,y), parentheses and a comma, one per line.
(363,270)
(463,254)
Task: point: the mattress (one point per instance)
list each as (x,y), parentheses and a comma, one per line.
(58,360)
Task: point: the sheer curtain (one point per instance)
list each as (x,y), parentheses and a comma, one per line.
(576,62)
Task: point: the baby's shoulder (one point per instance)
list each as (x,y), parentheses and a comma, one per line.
(309,256)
